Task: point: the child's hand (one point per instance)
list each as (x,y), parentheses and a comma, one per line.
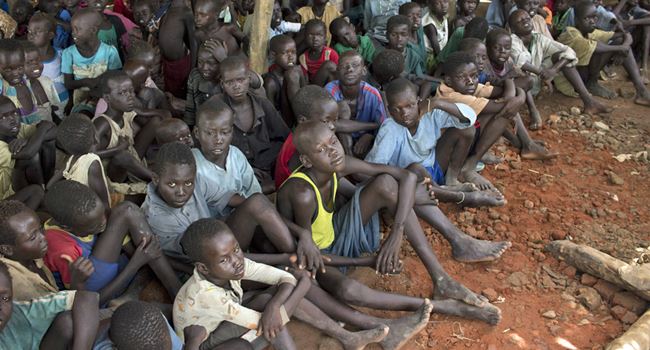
(309,256)
(270,323)
(195,332)
(17,145)
(388,258)
(293,74)
(148,250)
(548,74)
(122,143)
(217,48)
(80,270)
(363,145)
(424,194)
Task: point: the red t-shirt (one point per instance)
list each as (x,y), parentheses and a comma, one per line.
(282,171)
(311,67)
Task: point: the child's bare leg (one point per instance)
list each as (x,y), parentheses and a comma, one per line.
(642,94)
(536,118)
(124,162)
(256,211)
(325,74)
(646,51)
(125,218)
(473,199)
(233,344)
(77,327)
(591,105)
(464,247)
(380,194)
(31,196)
(27,172)
(530,149)
(451,152)
(596,64)
(146,135)
(491,130)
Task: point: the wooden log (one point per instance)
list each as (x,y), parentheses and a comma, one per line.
(636,338)
(635,278)
(260,34)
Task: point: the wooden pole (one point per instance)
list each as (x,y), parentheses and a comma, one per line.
(635,278)
(636,338)
(260,34)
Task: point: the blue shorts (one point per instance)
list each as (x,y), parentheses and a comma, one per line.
(437,174)
(105,272)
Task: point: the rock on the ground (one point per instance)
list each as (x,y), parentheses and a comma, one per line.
(558,235)
(517,279)
(630,302)
(614,179)
(575,111)
(490,294)
(589,297)
(601,126)
(618,312)
(529,204)
(629,318)
(588,280)
(550,314)
(606,289)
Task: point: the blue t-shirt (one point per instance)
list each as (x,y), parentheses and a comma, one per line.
(106,58)
(370,106)
(62,37)
(395,146)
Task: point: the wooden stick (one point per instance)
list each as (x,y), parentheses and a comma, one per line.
(260,34)
(636,338)
(635,278)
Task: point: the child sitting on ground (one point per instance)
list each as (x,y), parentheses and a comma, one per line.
(364,101)
(41,32)
(213,297)
(79,227)
(319,61)
(114,28)
(208,26)
(259,130)
(175,26)
(539,22)
(59,16)
(83,62)
(174,130)
(346,39)
(466,11)
(285,77)
(43,88)
(418,42)
(21,146)
(436,25)
(122,140)
(398,31)
(493,114)
(595,48)
(476,28)
(387,66)
(45,322)
(16,86)
(21,11)
(321,10)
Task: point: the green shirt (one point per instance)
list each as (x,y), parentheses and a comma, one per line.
(452,45)
(366,48)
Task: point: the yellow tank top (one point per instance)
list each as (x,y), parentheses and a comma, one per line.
(322,227)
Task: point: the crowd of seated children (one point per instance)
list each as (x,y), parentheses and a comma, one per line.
(136,143)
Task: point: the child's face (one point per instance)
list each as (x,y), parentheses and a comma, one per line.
(9,120)
(6,300)
(33,64)
(235,83)
(415,15)
(70,4)
(562,5)
(30,241)
(205,13)
(398,36)
(207,65)
(138,73)
(50,6)
(12,67)
(528,6)
(587,23)
(347,36)
(122,95)
(276,17)
(469,6)
(224,259)
(21,11)
(325,152)
(536,4)
(315,37)
(97,5)
(142,13)
(214,132)
(94,222)
(39,33)
(286,55)
(84,29)
(464,79)
(175,184)
(176,132)
(480,55)
(403,107)
(439,8)
(351,70)
(522,24)
(499,52)
(327,113)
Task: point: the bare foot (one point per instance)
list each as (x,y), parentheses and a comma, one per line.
(403,329)
(488,313)
(491,158)
(447,288)
(478,180)
(534,151)
(487,198)
(596,107)
(472,250)
(536,120)
(642,100)
(359,340)
(461,187)
(601,91)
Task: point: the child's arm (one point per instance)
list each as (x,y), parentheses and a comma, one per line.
(194,336)
(432,34)
(287,295)
(97,184)
(27,148)
(619,7)
(389,251)
(72,84)
(85,319)
(190,37)
(449,107)
(622,48)
(103,130)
